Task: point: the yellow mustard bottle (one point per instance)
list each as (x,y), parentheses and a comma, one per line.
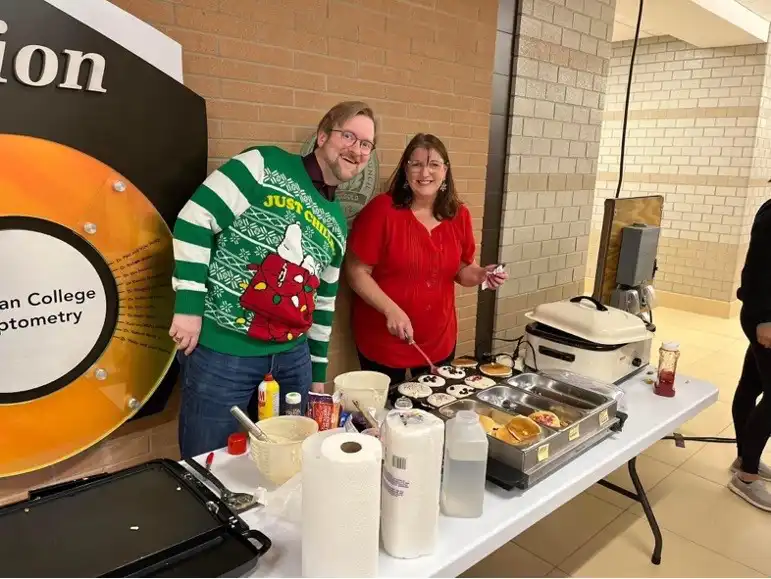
(267,398)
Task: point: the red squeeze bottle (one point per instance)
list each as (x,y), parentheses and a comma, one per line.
(669,354)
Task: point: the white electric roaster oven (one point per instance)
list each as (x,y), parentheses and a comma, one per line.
(583,336)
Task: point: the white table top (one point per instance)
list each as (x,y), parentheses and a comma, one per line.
(464,542)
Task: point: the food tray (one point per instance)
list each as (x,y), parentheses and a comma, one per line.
(580,422)
(521,457)
(598,409)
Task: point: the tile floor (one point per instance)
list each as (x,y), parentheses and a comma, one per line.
(708,531)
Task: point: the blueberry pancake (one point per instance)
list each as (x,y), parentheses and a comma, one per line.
(460,390)
(479,382)
(451,373)
(440,399)
(415,390)
(432,380)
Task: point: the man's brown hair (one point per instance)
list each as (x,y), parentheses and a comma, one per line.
(341,113)
(447,203)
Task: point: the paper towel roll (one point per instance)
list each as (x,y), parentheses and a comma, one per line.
(341,505)
(412,477)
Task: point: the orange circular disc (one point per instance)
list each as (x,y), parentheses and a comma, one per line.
(85,302)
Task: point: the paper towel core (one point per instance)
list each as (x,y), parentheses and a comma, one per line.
(350,447)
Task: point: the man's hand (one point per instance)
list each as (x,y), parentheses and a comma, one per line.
(317,387)
(399,324)
(763,333)
(186,329)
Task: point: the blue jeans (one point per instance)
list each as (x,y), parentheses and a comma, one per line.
(212,383)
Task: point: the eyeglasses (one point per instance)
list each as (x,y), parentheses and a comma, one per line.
(349,140)
(433,166)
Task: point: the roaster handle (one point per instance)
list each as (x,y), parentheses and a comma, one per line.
(265,543)
(597,304)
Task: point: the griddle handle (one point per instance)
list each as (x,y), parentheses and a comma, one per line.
(265,543)
(53,489)
(597,304)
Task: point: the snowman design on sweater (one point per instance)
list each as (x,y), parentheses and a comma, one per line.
(282,291)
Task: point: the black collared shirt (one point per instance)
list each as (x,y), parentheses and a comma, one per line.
(313,169)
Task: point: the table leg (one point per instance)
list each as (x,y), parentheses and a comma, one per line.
(641,497)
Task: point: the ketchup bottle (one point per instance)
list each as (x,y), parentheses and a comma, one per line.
(669,354)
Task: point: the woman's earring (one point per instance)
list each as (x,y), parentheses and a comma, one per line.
(405,185)
(443,186)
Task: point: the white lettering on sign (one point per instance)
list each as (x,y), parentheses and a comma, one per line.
(52,309)
(74,62)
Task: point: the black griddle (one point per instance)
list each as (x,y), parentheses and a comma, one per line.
(151,520)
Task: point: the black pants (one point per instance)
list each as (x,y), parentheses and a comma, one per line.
(399,375)
(752,419)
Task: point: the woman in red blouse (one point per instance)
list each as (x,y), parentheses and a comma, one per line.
(407,249)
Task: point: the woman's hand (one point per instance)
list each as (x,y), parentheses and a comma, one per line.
(186,329)
(399,324)
(495,280)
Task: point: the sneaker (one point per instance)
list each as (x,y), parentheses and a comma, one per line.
(754,493)
(764,471)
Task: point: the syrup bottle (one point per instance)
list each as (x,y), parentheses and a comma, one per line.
(669,354)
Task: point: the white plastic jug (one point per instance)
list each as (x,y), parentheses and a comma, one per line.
(465,466)
(369,389)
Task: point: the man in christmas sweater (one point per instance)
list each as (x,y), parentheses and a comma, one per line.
(258,250)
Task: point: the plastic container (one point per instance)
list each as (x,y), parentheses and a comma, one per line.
(370,389)
(281,459)
(402,403)
(293,404)
(268,398)
(465,466)
(669,354)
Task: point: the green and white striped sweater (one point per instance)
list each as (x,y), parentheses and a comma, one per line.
(257,253)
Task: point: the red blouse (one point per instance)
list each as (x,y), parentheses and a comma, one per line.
(417,270)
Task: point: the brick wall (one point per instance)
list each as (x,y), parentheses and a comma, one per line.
(269,69)
(691,138)
(558,95)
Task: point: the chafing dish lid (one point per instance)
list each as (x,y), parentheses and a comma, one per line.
(589,320)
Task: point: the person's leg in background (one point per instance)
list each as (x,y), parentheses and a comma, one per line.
(396,375)
(212,383)
(753,422)
(292,371)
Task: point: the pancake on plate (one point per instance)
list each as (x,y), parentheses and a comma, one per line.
(496,370)
(451,373)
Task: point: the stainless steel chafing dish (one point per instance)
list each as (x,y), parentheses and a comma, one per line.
(587,417)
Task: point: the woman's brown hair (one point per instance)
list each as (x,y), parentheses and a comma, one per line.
(446,204)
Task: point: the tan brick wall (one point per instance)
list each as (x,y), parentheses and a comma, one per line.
(270,68)
(691,138)
(557,105)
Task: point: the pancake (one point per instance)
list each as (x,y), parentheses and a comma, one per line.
(414,390)
(440,399)
(546,418)
(451,373)
(464,363)
(479,382)
(432,380)
(460,390)
(488,424)
(495,370)
(523,429)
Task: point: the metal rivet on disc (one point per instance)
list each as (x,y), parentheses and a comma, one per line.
(133,403)
(90,228)
(119,186)
(100,374)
